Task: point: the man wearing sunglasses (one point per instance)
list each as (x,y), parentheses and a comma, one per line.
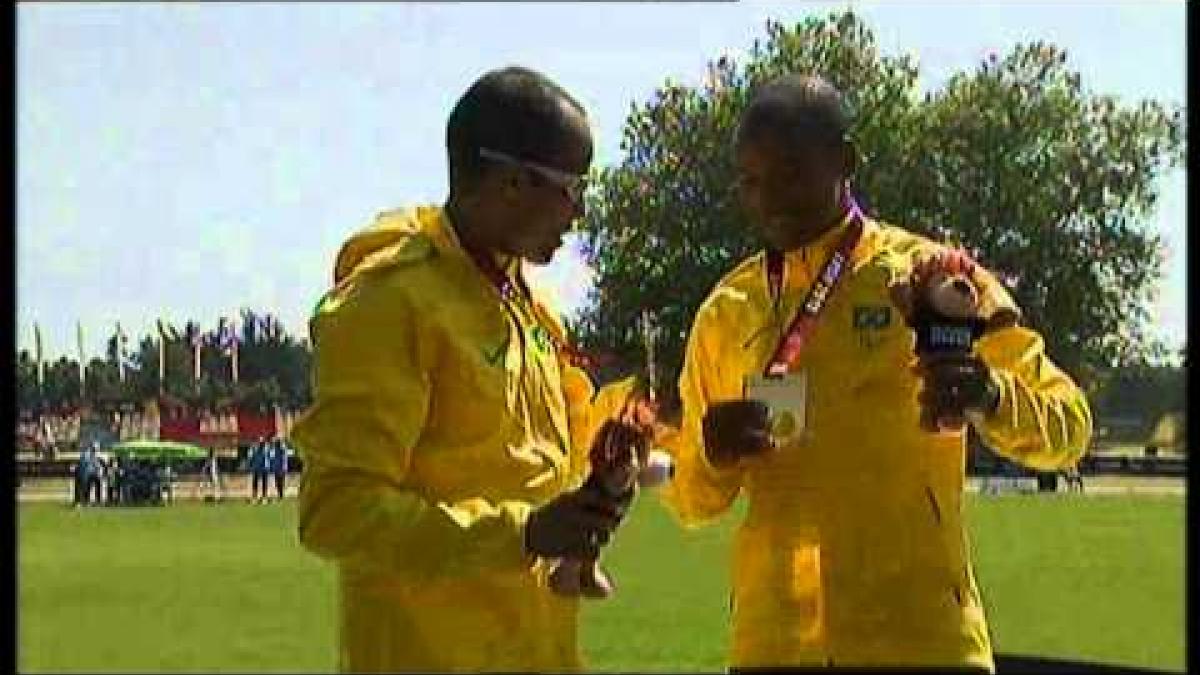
(448,440)
(799,390)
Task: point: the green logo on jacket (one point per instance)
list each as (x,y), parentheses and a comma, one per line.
(496,356)
(540,337)
(876,317)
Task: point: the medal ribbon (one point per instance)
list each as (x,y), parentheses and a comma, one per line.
(801,328)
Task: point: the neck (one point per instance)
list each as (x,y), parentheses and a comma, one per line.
(830,222)
(472,234)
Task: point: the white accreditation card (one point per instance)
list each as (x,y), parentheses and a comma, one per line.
(787,398)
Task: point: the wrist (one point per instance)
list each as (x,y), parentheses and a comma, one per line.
(993,390)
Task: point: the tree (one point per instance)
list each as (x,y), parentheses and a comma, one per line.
(60,389)
(142,379)
(1045,182)
(1051,185)
(28,395)
(1145,392)
(103,390)
(273,370)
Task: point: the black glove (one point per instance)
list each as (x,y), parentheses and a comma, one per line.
(576,523)
(736,429)
(952,384)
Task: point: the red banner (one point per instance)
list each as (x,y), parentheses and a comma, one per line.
(229,428)
(179,427)
(252,426)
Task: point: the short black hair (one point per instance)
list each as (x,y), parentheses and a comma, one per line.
(799,107)
(513,110)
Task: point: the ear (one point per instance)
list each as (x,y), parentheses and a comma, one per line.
(504,182)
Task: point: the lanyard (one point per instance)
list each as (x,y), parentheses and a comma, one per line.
(508,290)
(801,328)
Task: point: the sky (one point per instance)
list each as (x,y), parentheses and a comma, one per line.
(185,160)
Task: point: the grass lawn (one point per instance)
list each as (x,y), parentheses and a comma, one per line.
(195,587)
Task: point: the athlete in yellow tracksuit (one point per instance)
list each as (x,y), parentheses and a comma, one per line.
(853,550)
(446,414)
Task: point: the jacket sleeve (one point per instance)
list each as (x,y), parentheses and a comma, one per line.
(587,406)
(699,492)
(358,502)
(587,410)
(1043,420)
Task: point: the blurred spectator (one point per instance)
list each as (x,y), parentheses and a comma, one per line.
(279,465)
(79,484)
(212,475)
(88,474)
(166,478)
(259,468)
(114,475)
(1073,479)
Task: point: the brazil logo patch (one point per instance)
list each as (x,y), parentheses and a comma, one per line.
(872,317)
(869,323)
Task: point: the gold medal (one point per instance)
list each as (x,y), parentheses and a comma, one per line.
(786,398)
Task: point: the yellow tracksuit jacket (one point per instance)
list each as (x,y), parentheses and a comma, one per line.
(441,418)
(853,550)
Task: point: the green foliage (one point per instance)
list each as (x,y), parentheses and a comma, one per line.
(1051,185)
(273,370)
(1048,184)
(27,386)
(1145,392)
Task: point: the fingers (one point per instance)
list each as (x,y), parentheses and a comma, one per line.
(946,395)
(942,365)
(949,387)
(736,428)
(942,397)
(756,441)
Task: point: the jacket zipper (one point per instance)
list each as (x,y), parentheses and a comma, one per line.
(933,505)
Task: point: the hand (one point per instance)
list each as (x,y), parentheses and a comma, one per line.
(952,385)
(576,523)
(736,429)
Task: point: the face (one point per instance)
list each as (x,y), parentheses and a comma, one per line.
(540,202)
(792,193)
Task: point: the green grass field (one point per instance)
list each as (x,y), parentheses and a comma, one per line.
(226,588)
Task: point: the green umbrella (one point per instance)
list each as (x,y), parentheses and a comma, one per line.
(144,449)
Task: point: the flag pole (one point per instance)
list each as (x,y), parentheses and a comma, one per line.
(82,366)
(37,347)
(162,357)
